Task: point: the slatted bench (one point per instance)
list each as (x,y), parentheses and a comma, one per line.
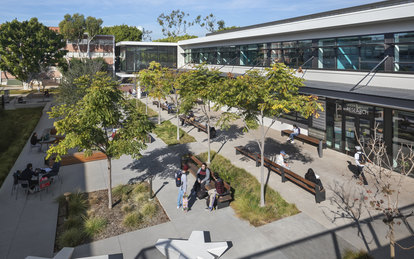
(78,158)
(286,174)
(310,140)
(224,199)
(199,126)
(163,107)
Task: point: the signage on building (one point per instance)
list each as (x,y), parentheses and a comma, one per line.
(354,108)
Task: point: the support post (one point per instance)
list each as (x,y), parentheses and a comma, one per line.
(257,160)
(282,173)
(320,149)
(320,194)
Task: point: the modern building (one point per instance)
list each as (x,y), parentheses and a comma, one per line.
(359,61)
(134,56)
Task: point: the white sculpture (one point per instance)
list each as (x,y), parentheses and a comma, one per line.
(194,247)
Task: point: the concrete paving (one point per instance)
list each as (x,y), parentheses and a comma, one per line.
(28,226)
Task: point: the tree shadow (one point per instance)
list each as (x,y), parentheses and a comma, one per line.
(352,168)
(161,162)
(273,148)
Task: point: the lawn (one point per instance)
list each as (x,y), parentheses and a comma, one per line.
(168,133)
(246,187)
(17,127)
(90,219)
(141,108)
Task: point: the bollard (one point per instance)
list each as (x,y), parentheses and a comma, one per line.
(282,173)
(67,195)
(320,149)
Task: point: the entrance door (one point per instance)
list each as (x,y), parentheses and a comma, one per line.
(350,128)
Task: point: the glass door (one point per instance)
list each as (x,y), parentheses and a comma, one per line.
(350,133)
(364,130)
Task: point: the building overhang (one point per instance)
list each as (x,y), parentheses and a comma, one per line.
(140,43)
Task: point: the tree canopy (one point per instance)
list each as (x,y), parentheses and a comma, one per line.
(123,32)
(176,38)
(28,47)
(72,27)
(87,125)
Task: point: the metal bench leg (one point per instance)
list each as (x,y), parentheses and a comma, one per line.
(320,195)
(282,173)
(320,149)
(237,152)
(257,161)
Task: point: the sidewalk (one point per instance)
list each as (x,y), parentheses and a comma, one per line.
(28,226)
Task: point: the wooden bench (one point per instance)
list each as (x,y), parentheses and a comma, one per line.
(78,158)
(199,126)
(224,199)
(310,140)
(163,107)
(286,174)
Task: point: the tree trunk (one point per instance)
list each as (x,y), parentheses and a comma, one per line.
(208,132)
(88,50)
(109,183)
(146,105)
(392,241)
(178,127)
(262,198)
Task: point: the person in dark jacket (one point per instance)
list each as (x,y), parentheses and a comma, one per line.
(34,140)
(27,174)
(311,176)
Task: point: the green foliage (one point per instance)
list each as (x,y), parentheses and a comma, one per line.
(92,27)
(126,208)
(133,219)
(123,32)
(73,222)
(141,187)
(73,27)
(17,127)
(176,38)
(175,23)
(71,90)
(140,106)
(247,194)
(77,204)
(210,22)
(94,225)
(168,133)
(228,28)
(141,197)
(122,189)
(71,237)
(28,47)
(149,209)
(350,254)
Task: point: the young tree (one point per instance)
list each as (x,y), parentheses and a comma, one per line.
(28,47)
(123,32)
(202,84)
(259,95)
(70,92)
(175,23)
(73,28)
(210,22)
(86,125)
(92,27)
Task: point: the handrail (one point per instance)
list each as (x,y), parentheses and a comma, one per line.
(372,70)
(311,58)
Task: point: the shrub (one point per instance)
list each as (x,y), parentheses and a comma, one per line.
(73,222)
(168,133)
(133,219)
(141,187)
(127,208)
(71,237)
(77,203)
(149,209)
(121,190)
(349,254)
(94,225)
(141,197)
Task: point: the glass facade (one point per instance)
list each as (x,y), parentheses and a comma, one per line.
(356,53)
(136,58)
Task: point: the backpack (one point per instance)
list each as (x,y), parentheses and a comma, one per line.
(362,159)
(178,181)
(298,130)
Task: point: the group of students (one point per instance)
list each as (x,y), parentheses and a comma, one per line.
(199,187)
(34,177)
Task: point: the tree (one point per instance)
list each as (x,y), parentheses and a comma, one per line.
(210,22)
(73,28)
(92,27)
(175,23)
(259,95)
(156,82)
(70,91)
(203,84)
(87,124)
(27,48)
(123,32)
(176,38)
(228,28)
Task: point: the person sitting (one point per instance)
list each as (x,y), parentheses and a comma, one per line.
(203,178)
(191,116)
(217,190)
(296,132)
(20,100)
(27,174)
(47,93)
(311,176)
(34,141)
(169,108)
(280,159)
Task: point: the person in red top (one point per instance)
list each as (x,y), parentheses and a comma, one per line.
(219,184)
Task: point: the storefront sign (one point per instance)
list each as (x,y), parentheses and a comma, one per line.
(354,108)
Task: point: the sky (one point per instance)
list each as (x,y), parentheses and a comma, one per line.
(144,13)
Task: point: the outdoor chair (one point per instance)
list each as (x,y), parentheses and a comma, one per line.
(19,184)
(55,172)
(44,184)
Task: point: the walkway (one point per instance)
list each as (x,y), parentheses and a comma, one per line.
(28,227)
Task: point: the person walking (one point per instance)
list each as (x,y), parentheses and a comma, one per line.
(181,181)
(360,161)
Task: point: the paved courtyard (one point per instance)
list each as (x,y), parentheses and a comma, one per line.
(28,226)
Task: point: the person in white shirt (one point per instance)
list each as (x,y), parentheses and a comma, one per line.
(360,160)
(280,159)
(296,131)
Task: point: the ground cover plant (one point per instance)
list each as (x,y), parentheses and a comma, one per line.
(247,193)
(141,108)
(90,219)
(17,127)
(168,133)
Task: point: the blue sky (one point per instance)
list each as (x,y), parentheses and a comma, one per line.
(145,13)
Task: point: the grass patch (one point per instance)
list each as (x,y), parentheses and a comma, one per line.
(133,219)
(71,237)
(149,209)
(141,108)
(349,254)
(247,194)
(94,225)
(17,127)
(168,133)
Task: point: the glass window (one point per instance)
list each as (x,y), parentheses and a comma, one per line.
(289,44)
(348,58)
(404,37)
(326,58)
(372,39)
(348,41)
(404,57)
(276,45)
(403,136)
(371,56)
(326,42)
(249,55)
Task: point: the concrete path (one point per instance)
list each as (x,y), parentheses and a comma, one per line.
(28,226)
